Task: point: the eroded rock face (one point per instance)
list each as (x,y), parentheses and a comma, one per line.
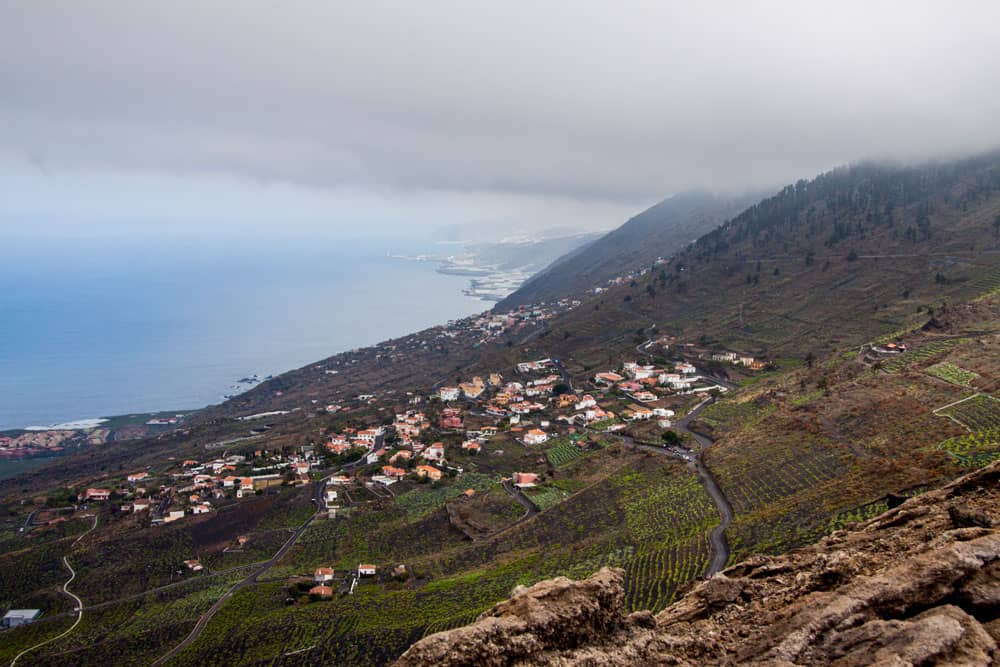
(918,585)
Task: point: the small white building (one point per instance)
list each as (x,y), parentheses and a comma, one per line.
(366,570)
(535,436)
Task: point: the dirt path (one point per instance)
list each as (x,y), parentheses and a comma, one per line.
(65,589)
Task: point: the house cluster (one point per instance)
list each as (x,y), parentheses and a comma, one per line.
(649,383)
(349,439)
(738,359)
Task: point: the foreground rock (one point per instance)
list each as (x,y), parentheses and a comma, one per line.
(918,585)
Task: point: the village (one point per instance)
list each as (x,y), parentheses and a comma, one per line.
(456,440)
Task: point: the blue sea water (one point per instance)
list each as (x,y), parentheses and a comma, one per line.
(91,329)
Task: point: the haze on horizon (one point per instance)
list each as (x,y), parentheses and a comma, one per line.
(408,118)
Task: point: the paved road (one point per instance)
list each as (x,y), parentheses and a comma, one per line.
(717,538)
(65,588)
(248,581)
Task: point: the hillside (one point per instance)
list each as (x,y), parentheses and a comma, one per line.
(659,231)
(854,254)
(739,461)
(917,585)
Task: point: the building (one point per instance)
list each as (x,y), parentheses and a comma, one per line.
(323,575)
(525,480)
(97,494)
(173,515)
(392,472)
(16,617)
(430,472)
(435,452)
(325,592)
(535,436)
(448,393)
(194,565)
(366,570)
(137,477)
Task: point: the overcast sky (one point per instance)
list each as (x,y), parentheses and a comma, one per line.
(139,116)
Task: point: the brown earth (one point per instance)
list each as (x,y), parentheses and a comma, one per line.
(918,585)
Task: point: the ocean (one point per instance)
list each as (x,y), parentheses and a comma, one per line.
(91,329)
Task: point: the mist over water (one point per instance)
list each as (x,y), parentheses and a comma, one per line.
(103,328)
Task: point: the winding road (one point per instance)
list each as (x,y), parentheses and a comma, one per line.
(717,538)
(65,589)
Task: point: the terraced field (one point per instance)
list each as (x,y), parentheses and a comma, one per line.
(976,449)
(858,514)
(976,413)
(951,373)
(735,414)
(564,453)
(924,352)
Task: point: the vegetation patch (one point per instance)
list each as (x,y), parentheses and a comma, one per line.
(923,353)
(564,453)
(977,413)
(951,373)
(421,501)
(974,450)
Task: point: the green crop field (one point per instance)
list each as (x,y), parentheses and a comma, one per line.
(952,373)
(976,413)
(975,449)
(922,353)
(564,453)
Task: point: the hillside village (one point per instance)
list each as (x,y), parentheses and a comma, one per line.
(355,505)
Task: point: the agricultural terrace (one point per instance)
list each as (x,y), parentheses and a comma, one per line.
(642,512)
(952,373)
(733,414)
(565,452)
(975,449)
(779,481)
(923,353)
(976,413)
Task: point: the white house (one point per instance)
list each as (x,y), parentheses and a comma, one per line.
(323,575)
(535,437)
(448,393)
(366,570)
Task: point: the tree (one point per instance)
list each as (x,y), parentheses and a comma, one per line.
(810,359)
(560,388)
(670,438)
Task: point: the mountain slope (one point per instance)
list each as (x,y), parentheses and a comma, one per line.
(854,254)
(659,231)
(917,585)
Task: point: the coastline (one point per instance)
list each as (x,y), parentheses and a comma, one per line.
(107,337)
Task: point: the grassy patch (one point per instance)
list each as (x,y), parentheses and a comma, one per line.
(976,413)
(975,449)
(952,373)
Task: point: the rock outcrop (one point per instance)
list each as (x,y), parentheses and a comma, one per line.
(918,585)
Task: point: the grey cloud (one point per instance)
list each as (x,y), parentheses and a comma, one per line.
(612,101)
